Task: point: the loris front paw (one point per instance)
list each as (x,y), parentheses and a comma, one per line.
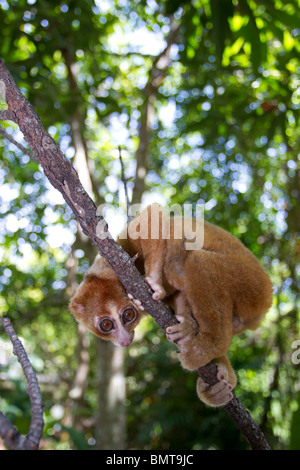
(184,331)
(185,334)
(221,393)
(136,302)
(159,292)
(194,351)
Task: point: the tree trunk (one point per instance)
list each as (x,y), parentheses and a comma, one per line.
(110,431)
(147,113)
(156,77)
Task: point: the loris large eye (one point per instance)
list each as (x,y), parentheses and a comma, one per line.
(106,325)
(129,315)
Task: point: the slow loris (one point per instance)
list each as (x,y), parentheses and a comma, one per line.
(217,291)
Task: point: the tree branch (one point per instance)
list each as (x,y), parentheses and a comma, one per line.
(10,435)
(63,177)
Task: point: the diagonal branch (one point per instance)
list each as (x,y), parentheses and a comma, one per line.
(10,435)
(63,177)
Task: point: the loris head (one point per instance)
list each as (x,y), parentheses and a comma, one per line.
(103,307)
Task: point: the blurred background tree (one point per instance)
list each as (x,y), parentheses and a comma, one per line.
(203,96)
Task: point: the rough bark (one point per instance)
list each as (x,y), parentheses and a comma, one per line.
(10,435)
(63,177)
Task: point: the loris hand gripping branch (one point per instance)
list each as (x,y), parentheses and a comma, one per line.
(217,291)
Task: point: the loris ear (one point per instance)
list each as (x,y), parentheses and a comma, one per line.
(77,306)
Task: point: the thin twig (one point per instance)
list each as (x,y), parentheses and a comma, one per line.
(7,115)
(10,435)
(19,146)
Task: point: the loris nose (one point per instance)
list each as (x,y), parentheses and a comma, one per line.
(125,338)
(126,342)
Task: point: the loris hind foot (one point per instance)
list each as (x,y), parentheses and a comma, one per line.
(221,393)
(192,356)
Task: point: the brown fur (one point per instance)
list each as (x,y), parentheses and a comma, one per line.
(216,292)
